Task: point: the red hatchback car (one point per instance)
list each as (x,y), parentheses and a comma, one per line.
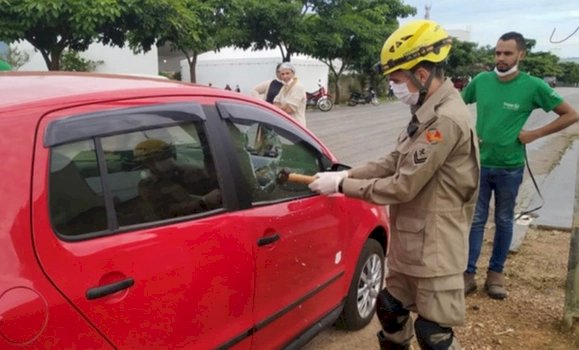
(145,213)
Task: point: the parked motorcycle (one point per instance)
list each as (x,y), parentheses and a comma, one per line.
(320,99)
(363,98)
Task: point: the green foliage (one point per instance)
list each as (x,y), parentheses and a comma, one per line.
(71,61)
(16,58)
(466,59)
(270,24)
(348,35)
(52,26)
(569,73)
(197,26)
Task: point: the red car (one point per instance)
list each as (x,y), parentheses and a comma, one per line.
(144,213)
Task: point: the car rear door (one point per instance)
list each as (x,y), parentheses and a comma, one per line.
(144,276)
(299,236)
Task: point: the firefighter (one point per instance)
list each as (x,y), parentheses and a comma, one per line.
(430,181)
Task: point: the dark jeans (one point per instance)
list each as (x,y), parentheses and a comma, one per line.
(505,183)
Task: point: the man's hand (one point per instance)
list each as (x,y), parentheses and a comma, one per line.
(327,182)
(212,199)
(528,136)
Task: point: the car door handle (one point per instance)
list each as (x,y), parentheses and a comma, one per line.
(99,292)
(267,240)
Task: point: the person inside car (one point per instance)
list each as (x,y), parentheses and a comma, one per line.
(170,190)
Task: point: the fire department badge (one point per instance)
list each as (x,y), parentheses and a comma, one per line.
(433,135)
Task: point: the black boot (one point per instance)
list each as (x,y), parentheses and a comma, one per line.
(386,344)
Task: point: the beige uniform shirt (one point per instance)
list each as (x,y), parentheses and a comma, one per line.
(294,95)
(431,184)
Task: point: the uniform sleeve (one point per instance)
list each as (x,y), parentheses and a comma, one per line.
(382,168)
(423,159)
(545,97)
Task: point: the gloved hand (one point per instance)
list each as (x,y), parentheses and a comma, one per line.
(327,182)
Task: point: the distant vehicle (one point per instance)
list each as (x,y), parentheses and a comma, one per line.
(151,213)
(320,99)
(459,82)
(552,81)
(363,98)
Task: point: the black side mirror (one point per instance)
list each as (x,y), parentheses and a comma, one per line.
(339,167)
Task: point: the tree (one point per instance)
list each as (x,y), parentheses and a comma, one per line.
(541,64)
(52,26)
(198,26)
(71,61)
(349,34)
(570,73)
(271,24)
(15,57)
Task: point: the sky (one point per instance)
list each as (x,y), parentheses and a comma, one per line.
(489,19)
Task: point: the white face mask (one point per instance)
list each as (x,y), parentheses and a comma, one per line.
(505,73)
(403,94)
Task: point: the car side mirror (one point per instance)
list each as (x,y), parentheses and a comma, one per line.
(339,167)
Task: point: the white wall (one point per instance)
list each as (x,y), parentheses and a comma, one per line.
(115,60)
(248,72)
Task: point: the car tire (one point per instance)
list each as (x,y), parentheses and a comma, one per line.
(367,282)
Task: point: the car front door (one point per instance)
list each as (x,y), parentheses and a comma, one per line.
(131,225)
(299,237)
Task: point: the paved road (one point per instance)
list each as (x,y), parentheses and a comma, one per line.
(362,133)
(365,132)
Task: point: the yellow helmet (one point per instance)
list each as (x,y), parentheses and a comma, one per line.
(152,149)
(417,41)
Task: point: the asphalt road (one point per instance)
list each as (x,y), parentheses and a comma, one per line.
(362,133)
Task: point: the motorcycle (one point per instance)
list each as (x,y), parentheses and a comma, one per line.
(361,98)
(320,99)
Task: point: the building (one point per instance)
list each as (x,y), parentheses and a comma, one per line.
(248,68)
(110,59)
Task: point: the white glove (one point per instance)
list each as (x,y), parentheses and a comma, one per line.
(328,182)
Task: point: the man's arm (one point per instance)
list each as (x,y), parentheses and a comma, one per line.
(567,117)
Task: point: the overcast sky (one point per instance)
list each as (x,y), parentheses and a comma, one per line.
(488,19)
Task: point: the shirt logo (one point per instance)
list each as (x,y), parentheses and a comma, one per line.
(511,106)
(433,135)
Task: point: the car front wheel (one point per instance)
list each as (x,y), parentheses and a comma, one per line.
(367,282)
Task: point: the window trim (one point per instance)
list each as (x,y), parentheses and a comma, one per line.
(106,123)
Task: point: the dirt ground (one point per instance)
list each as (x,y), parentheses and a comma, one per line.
(531,316)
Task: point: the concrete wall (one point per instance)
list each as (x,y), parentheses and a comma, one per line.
(115,60)
(248,72)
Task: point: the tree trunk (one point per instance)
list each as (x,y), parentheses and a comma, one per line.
(192,68)
(46,58)
(337,76)
(55,60)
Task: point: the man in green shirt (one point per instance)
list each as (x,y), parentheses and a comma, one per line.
(4,66)
(505,98)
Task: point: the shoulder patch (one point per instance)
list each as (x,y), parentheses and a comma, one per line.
(433,135)
(420,156)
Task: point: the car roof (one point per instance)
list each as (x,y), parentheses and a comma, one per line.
(25,87)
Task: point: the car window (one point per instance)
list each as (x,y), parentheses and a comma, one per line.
(77,203)
(264,151)
(151,175)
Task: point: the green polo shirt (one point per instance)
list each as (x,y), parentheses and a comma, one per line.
(4,66)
